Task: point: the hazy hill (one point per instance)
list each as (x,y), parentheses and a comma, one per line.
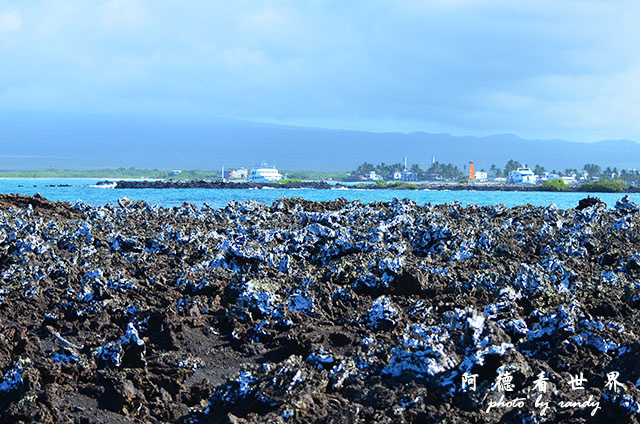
(43,140)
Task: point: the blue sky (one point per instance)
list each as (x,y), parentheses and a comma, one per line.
(539,69)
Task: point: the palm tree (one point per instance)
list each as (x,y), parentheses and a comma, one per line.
(512,165)
(494,170)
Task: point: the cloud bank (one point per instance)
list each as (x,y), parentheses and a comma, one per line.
(539,69)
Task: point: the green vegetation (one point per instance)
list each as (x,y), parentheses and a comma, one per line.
(511,165)
(447,171)
(436,170)
(114,173)
(463,181)
(593,170)
(186,174)
(316,175)
(403,185)
(606,186)
(195,174)
(393,184)
(555,185)
(610,179)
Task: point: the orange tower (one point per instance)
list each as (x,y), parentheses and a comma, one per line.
(472,174)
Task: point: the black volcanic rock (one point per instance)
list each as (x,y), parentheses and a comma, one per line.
(321,185)
(315,311)
(588,202)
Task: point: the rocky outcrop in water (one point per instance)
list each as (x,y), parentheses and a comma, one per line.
(321,185)
(318,312)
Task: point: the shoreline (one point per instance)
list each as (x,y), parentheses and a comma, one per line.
(74,178)
(146,183)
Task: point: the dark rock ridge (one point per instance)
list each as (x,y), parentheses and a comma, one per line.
(164,184)
(316,312)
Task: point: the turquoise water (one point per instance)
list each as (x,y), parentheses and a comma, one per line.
(83,190)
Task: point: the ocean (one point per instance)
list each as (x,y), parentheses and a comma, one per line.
(85,190)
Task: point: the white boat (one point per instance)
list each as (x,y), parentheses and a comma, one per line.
(264,174)
(522,176)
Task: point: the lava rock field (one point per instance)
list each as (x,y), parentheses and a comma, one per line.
(321,312)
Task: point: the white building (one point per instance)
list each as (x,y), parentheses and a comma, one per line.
(522,176)
(264,174)
(236,174)
(481,176)
(404,176)
(372,176)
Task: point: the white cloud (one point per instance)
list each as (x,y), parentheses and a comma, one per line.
(268,21)
(124,14)
(10,21)
(547,68)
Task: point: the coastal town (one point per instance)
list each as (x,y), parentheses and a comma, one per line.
(513,173)
(514,176)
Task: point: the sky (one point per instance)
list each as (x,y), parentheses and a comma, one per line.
(539,69)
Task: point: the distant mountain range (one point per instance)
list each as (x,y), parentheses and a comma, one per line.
(44,140)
